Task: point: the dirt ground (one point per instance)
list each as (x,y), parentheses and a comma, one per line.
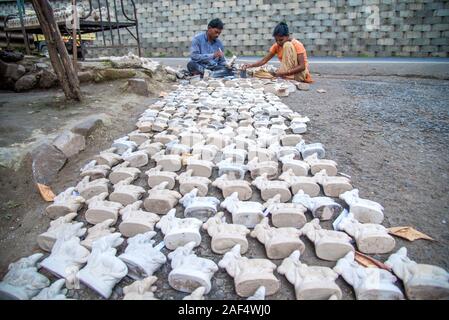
(389,134)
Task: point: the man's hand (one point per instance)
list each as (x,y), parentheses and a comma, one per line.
(218,54)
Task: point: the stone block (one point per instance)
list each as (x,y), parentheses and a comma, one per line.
(69,143)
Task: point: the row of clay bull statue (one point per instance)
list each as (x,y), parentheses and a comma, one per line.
(195,138)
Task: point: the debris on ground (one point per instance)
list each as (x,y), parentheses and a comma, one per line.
(408,233)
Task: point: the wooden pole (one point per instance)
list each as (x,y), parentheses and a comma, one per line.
(59,56)
(74,27)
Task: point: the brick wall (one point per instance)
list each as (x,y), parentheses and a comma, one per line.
(417,28)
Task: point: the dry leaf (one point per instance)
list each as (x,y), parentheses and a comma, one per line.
(408,233)
(46,192)
(369,262)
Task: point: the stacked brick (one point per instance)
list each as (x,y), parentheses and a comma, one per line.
(410,28)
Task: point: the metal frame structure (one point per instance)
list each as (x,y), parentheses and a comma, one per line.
(103,26)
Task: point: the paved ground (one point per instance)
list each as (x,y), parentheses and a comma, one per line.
(390,135)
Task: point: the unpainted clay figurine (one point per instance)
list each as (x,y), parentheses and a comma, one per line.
(22,281)
(122,172)
(421,281)
(201,168)
(161,200)
(323,208)
(98,231)
(64,203)
(279,242)
(285,214)
(67,253)
(189,271)
(298,167)
(136,220)
(316,165)
(199,207)
(140,256)
(89,189)
(308,184)
(156,175)
(368,283)
(249,274)
(62,226)
(234,170)
(257,169)
(104,270)
(224,235)
(100,209)
(333,186)
(108,157)
(122,144)
(141,289)
(229,186)
(168,162)
(197,294)
(137,158)
(310,282)
(94,170)
(370,238)
(188,182)
(330,245)
(307,150)
(364,210)
(178,232)
(247,213)
(126,193)
(55,291)
(139,137)
(269,188)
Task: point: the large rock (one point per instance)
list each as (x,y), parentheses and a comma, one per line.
(70,143)
(86,76)
(47,161)
(27,82)
(138,86)
(47,79)
(113,74)
(13,71)
(87,126)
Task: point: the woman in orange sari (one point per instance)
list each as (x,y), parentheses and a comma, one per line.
(291,53)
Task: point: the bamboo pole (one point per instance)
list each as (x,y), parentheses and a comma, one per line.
(59,56)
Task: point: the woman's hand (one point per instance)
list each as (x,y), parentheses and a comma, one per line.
(245,66)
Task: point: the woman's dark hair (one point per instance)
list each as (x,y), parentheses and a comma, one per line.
(216,23)
(281,30)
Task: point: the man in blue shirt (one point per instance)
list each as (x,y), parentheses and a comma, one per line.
(206,51)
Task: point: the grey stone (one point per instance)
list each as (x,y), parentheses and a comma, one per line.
(138,86)
(13,71)
(47,79)
(46,162)
(87,126)
(27,82)
(70,143)
(86,76)
(303,86)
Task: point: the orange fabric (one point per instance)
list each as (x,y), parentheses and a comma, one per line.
(299,47)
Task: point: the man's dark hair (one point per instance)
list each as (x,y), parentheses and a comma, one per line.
(281,30)
(216,23)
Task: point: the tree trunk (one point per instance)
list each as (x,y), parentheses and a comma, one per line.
(59,56)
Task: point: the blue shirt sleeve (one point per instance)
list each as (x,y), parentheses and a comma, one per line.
(196,55)
(222,60)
